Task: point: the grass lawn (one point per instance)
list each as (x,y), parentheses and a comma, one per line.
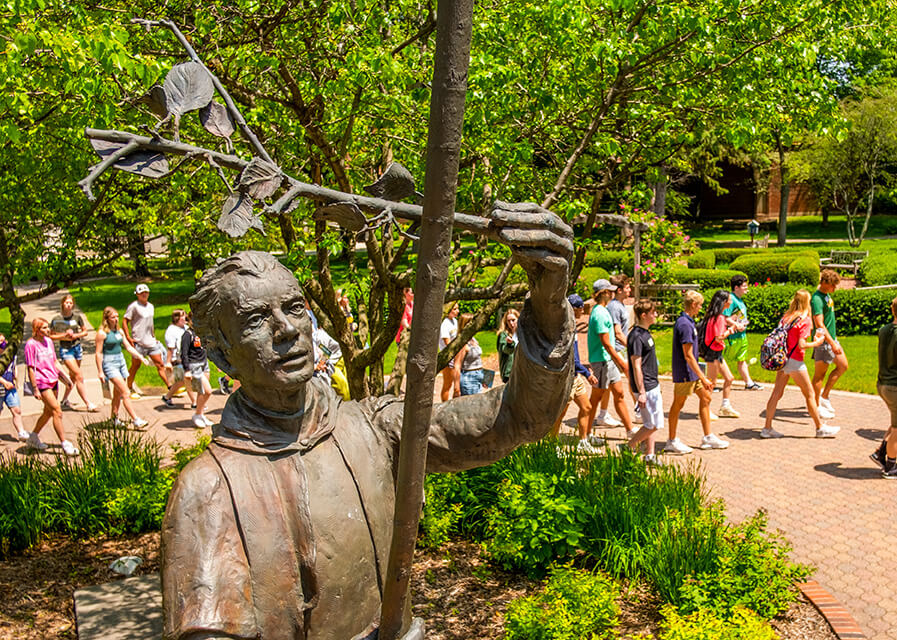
(862,354)
(802,227)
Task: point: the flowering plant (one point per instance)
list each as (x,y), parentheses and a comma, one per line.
(662,243)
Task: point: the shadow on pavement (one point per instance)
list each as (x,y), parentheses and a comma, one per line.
(850,473)
(871,434)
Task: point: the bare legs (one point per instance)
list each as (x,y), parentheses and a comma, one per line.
(121,395)
(703,411)
(157,361)
(802,380)
(52,411)
(823,391)
(582,417)
(74,367)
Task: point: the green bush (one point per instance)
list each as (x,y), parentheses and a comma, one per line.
(705,625)
(707,278)
(768,267)
(139,507)
(22,511)
(702,260)
(575,605)
(583,284)
(440,517)
(611,261)
(725,255)
(878,270)
(804,270)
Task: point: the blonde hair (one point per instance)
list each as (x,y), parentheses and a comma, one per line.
(36,323)
(463,319)
(67,296)
(799,306)
(503,324)
(106,325)
(691,298)
(894,308)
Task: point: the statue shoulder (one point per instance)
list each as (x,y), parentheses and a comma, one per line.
(200,479)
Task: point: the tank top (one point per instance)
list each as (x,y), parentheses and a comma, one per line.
(112,343)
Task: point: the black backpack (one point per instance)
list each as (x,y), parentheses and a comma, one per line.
(703,349)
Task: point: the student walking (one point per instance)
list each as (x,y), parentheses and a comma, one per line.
(112,367)
(9,389)
(715,333)
(830,351)
(196,370)
(506,342)
(173,335)
(796,319)
(138,324)
(469,361)
(620,316)
(44,375)
(737,342)
(688,378)
(607,365)
(448,331)
(68,328)
(643,378)
(886,455)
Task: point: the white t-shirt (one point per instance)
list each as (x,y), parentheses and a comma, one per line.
(141,318)
(173,335)
(448,331)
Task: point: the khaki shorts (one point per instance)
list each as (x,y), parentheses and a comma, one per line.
(580,386)
(889,395)
(685,389)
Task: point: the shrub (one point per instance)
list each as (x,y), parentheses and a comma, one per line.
(583,284)
(702,260)
(768,267)
(182,455)
(706,278)
(767,304)
(440,517)
(139,507)
(804,270)
(725,255)
(575,604)
(610,261)
(22,510)
(878,270)
(705,625)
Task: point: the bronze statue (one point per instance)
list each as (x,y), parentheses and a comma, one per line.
(281,529)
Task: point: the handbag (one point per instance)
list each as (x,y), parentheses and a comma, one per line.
(27,388)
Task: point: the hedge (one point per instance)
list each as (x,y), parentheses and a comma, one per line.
(707,278)
(804,270)
(856,312)
(702,260)
(879,269)
(768,267)
(611,261)
(583,284)
(727,255)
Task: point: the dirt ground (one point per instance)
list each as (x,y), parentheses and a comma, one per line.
(459,595)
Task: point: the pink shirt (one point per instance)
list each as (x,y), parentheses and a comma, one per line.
(42,358)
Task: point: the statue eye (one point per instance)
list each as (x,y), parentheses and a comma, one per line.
(255,321)
(297,307)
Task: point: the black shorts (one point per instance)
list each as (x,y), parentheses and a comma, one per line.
(714,356)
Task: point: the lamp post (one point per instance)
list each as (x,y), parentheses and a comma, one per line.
(753,227)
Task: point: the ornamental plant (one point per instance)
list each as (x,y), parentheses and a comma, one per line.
(662,244)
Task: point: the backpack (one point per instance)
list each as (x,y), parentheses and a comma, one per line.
(774,351)
(703,350)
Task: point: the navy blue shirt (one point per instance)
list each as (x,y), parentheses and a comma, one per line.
(684,332)
(577,365)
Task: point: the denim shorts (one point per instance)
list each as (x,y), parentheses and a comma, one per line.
(196,371)
(10,398)
(471,382)
(71,353)
(114,366)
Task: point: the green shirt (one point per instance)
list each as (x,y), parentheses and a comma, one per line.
(887,355)
(738,310)
(599,322)
(822,303)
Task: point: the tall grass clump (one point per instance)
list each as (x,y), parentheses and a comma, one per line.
(22,506)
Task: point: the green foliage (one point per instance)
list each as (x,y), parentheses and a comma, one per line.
(878,270)
(588,276)
(440,517)
(707,278)
(767,304)
(702,260)
(610,261)
(136,508)
(752,571)
(705,625)
(22,509)
(768,267)
(662,243)
(574,605)
(183,455)
(804,270)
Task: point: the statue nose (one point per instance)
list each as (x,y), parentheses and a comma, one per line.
(283,327)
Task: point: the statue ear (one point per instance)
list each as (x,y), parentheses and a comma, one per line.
(217,356)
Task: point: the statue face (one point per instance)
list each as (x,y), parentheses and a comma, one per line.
(269,332)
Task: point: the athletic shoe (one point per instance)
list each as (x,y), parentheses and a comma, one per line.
(825,402)
(676,446)
(136,389)
(193,406)
(726,411)
(770,433)
(889,470)
(824,413)
(596,441)
(69,449)
(753,386)
(116,422)
(223,385)
(66,404)
(637,416)
(208,422)
(652,460)
(712,441)
(181,393)
(827,431)
(136,395)
(168,401)
(140,423)
(35,443)
(880,455)
(585,448)
(630,433)
(713,416)
(92,408)
(608,421)
(198,422)
(23,436)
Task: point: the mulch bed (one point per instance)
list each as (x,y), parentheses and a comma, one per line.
(454,589)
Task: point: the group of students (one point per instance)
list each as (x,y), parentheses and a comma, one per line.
(615,351)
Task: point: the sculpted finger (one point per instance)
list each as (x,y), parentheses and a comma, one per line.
(542,219)
(527,256)
(537,238)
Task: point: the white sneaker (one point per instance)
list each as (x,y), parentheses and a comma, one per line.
(69,449)
(596,441)
(208,422)
(637,416)
(652,460)
(770,433)
(585,448)
(140,423)
(676,446)
(825,402)
(92,408)
(712,441)
(198,422)
(827,431)
(726,411)
(825,414)
(713,416)
(66,404)
(608,421)
(116,422)
(23,436)
(35,443)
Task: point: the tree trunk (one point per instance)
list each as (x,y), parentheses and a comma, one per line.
(660,193)
(868,214)
(784,193)
(398,368)
(11,301)
(198,262)
(580,255)
(287,232)
(137,251)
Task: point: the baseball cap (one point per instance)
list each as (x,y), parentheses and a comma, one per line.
(575,301)
(141,288)
(603,284)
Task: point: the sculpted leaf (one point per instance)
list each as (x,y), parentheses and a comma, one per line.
(148,164)
(395,184)
(260,178)
(188,86)
(156,101)
(345,214)
(217,121)
(237,216)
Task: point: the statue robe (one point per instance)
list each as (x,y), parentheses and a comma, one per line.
(285,536)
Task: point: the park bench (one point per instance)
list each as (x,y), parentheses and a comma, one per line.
(839,259)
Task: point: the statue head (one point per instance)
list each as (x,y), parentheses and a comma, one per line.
(250,314)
